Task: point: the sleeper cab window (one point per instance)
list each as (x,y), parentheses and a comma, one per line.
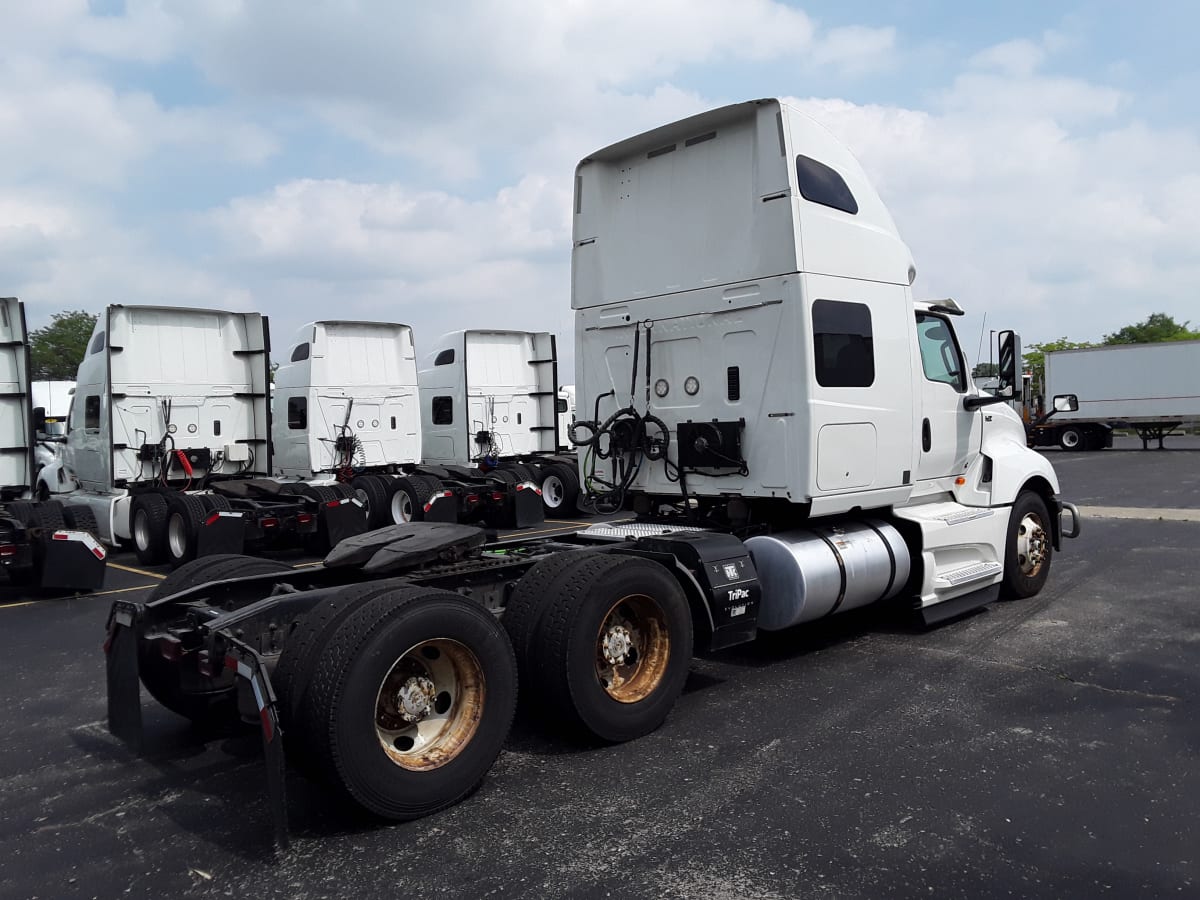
(297,412)
(443,410)
(445,358)
(300,353)
(843,351)
(97,344)
(820,184)
(939,352)
(91,412)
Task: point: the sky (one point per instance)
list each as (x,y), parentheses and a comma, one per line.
(413,162)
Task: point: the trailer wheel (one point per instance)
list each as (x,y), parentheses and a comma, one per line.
(149,527)
(81,518)
(560,490)
(376,492)
(185,517)
(215,702)
(534,593)
(1028,551)
(411,701)
(613,651)
(1070,437)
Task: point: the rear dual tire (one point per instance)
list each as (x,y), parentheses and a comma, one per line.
(402,700)
(603,642)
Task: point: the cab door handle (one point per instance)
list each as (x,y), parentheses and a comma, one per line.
(926,436)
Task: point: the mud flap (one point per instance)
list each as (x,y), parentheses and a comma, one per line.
(441,507)
(248,665)
(222,532)
(73,560)
(342,519)
(121,671)
(526,506)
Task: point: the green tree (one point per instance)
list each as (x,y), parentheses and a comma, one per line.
(985,370)
(56,350)
(1035,358)
(1157,327)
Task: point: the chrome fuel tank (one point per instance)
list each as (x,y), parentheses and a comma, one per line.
(813,572)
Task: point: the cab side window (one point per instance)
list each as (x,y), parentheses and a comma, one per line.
(940,357)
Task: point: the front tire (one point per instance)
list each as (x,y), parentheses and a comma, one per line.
(1029,549)
(1071,438)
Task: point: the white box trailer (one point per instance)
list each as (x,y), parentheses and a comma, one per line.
(490,398)
(1151,388)
(169,439)
(797,433)
(347,416)
(42,544)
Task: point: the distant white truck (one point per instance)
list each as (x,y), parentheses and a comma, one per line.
(51,404)
(347,414)
(491,399)
(43,544)
(168,440)
(1151,388)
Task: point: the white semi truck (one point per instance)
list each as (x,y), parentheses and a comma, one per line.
(1151,388)
(168,440)
(347,416)
(490,399)
(42,544)
(51,405)
(798,434)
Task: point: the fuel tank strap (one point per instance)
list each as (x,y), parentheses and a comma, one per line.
(891,557)
(837,554)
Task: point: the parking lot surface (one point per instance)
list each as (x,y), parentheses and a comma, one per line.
(1044,747)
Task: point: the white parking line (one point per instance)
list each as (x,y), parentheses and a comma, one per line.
(1137,512)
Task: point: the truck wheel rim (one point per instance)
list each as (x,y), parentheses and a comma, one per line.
(177,536)
(633,648)
(429,704)
(1070,438)
(1032,546)
(402,508)
(141,530)
(553,492)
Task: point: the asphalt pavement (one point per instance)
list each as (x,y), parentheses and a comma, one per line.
(1043,748)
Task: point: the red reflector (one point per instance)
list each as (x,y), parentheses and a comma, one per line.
(333,503)
(8,549)
(270,522)
(98,552)
(214,517)
(304,518)
(231,662)
(472,498)
(61,536)
(497,495)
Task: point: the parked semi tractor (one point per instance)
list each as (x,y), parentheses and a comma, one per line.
(798,435)
(168,440)
(348,418)
(1150,388)
(491,399)
(51,404)
(42,544)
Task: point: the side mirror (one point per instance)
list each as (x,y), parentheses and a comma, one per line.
(1065,403)
(1009,366)
(39,419)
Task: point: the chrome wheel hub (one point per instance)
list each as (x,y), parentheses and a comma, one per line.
(1032,545)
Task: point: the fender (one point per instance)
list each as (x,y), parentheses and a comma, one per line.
(56,478)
